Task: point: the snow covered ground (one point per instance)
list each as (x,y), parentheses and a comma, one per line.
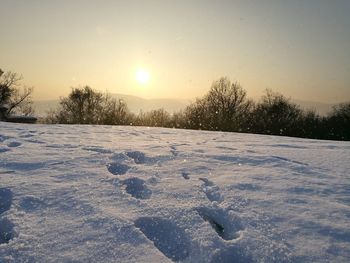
(133,194)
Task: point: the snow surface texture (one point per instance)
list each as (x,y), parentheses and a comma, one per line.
(132,194)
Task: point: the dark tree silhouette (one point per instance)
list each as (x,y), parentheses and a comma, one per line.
(154,118)
(87,106)
(275,115)
(311,125)
(338,122)
(196,115)
(82,106)
(223,108)
(115,112)
(13,95)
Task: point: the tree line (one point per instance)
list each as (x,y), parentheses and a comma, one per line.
(225,107)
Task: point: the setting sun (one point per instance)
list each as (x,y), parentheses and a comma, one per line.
(142,76)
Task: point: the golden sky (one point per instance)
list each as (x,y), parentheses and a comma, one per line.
(299,48)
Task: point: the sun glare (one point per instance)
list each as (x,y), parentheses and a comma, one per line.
(142,76)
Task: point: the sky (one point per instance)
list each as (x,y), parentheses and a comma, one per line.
(176,49)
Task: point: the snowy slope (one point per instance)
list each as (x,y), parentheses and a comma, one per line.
(132,194)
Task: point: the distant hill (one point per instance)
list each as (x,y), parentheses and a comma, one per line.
(41,107)
(135,104)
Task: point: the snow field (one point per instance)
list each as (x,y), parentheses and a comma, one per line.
(131,194)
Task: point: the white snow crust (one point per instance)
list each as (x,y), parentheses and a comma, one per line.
(71,193)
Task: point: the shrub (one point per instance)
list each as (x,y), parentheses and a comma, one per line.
(224,108)
(87,106)
(275,115)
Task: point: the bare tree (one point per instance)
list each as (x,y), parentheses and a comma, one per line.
(223,108)
(88,106)
(154,118)
(13,95)
(82,106)
(338,122)
(115,112)
(275,114)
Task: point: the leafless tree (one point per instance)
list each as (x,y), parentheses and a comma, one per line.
(275,114)
(13,95)
(154,118)
(223,108)
(88,106)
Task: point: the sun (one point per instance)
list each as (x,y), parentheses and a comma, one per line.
(142,76)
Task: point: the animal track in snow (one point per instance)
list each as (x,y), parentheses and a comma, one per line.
(117,168)
(225,225)
(211,190)
(171,240)
(137,156)
(136,188)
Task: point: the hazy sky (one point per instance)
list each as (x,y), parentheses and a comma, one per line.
(300,48)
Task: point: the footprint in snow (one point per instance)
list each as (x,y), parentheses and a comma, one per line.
(227,226)
(211,190)
(173,150)
(136,188)
(14,144)
(137,156)
(31,204)
(5,199)
(3,149)
(117,168)
(6,227)
(4,138)
(232,254)
(185,175)
(168,238)
(6,231)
